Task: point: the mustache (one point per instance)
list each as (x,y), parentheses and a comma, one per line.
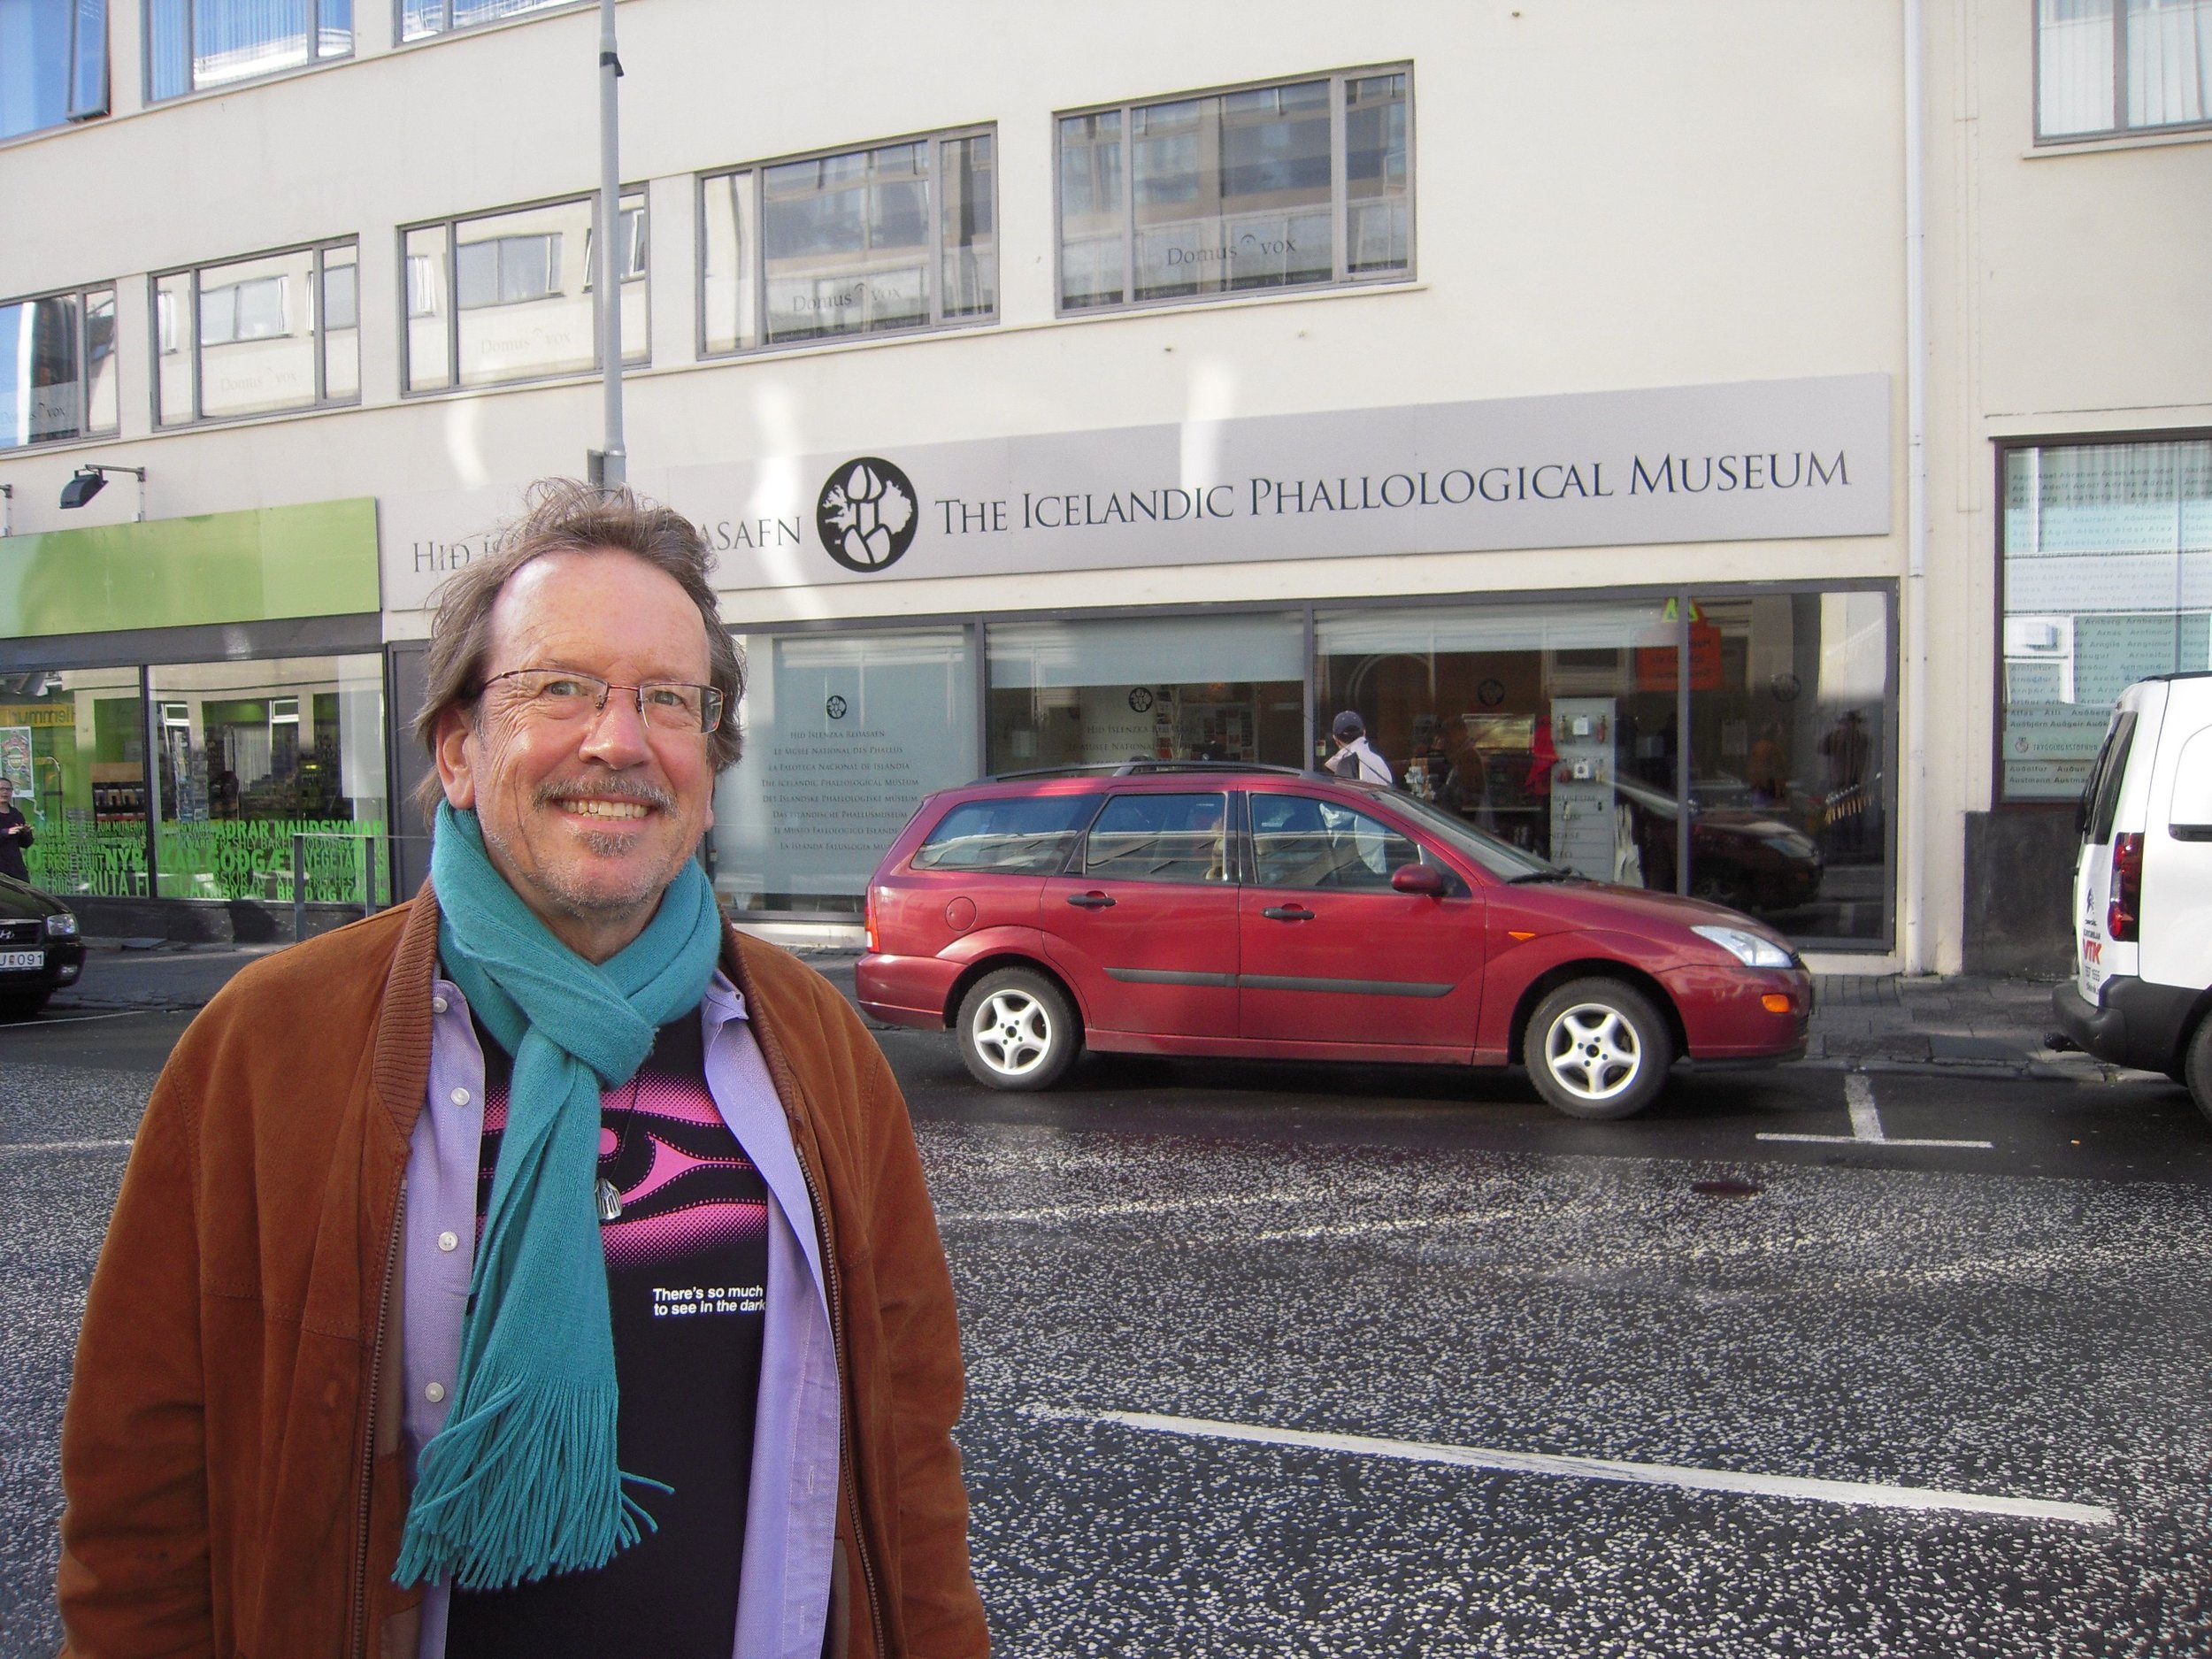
(605,789)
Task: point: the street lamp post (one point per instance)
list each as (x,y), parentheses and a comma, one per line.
(609,466)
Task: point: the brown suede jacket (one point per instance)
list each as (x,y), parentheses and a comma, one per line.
(231,1450)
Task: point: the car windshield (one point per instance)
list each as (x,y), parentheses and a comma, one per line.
(1500,858)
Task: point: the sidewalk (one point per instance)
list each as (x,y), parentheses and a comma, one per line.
(1960,1026)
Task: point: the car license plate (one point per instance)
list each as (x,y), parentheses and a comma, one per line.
(22,959)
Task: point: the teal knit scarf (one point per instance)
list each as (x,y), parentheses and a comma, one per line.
(523,1481)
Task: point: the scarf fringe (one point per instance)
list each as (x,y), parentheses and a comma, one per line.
(497,1503)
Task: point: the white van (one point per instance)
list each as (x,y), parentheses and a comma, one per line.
(2143,888)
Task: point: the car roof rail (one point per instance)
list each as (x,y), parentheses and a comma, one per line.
(1138,768)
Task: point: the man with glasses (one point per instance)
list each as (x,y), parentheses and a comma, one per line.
(540,1267)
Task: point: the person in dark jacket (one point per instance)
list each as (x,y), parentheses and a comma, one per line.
(15,836)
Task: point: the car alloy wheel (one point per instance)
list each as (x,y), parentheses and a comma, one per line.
(1598,1049)
(1017,1030)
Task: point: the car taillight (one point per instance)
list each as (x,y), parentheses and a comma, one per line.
(868,916)
(2125,914)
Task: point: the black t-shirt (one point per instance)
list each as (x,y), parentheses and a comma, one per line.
(687,1279)
(12,846)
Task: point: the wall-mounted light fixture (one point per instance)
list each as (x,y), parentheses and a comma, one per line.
(90,479)
(7,510)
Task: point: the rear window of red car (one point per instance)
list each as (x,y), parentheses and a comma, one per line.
(1027,836)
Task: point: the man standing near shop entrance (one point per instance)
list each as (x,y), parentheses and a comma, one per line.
(538,1268)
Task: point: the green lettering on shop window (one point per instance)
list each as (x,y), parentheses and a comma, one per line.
(315,560)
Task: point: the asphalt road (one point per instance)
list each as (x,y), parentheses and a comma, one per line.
(1295,1360)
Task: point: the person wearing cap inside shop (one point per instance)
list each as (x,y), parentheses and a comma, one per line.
(1353,758)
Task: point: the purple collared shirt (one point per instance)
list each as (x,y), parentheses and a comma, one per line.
(791,1507)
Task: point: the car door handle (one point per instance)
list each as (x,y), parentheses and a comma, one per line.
(1287,913)
(1092,900)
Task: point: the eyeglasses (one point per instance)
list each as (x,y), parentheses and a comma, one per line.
(558,696)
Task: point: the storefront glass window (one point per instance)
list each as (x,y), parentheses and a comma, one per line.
(1790,761)
(74,743)
(1544,726)
(2108,578)
(1065,693)
(252,754)
(844,735)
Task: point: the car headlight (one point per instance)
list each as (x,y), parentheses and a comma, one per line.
(62,926)
(1747,948)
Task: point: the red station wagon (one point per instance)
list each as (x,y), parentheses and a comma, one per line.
(1211,909)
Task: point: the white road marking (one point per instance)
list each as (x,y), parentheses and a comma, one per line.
(1866,1123)
(79,1019)
(1134,1207)
(1857,1494)
(1357,1229)
(32,1148)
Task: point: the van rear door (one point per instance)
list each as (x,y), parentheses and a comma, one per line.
(2096,954)
(2178,843)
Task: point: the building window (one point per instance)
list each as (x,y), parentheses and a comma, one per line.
(520,305)
(2121,65)
(57,367)
(1304,184)
(898,237)
(844,735)
(53,63)
(195,45)
(254,754)
(277,331)
(74,742)
(2108,578)
(418,20)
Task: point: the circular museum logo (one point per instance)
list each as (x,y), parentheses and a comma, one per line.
(865,514)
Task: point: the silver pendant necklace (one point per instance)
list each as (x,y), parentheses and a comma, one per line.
(609,1198)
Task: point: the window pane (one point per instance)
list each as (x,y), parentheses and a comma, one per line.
(341,324)
(168,49)
(1232,192)
(1092,232)
(1159,838)
(519,280)
(2107,578)
(418,18)
(252,754)
(970,234)
(99,330)
(334,25)
(637,336)
(88,84)
(1790,753)
(2170,61)
(42,393)
(2074,54)
(726,255)
(466,12)
(74,743)
(1066,694)
(1299,841)
(233,39)
(174,350)
(1531,722)
(34,65)
(847,244)
(258,335)
(843,737)
(1378,232)
(1029,836)
(429,366)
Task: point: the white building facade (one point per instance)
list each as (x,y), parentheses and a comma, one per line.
(1731,448)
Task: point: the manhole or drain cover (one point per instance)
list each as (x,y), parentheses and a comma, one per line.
(1727,1189)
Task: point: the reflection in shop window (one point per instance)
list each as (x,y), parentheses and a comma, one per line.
(844,735)
(252,754)
(74,743)
(1074,694)
(2108,578)
(1556,728)
(58,367)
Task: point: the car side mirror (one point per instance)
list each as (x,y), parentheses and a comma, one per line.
(1422,879)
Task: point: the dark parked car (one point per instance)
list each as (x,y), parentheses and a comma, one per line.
(1743,855)
(39,949)
(1233,909)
